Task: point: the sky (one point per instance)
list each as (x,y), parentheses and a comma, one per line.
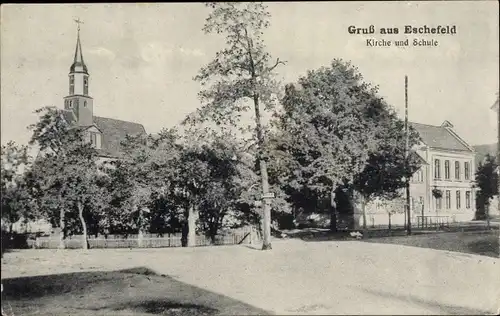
(142,58)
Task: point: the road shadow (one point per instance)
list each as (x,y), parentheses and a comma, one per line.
(136,291)
(321,234)
(469,242)
(438,308)
(486,247)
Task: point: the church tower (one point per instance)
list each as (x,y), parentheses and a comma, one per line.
(78,99)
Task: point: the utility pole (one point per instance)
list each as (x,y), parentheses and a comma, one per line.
(497,107)
(498,162)
(407,154)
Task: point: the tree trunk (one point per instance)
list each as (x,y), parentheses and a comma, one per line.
(333,211)
(184,238)
(213,231)
(140,231)
(84,226)
(191,228)
(390,226)
(62,226)
(266,207)
(363,209)
(487,210)
(405,221)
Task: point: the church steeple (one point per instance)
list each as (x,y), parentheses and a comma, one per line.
(78,99)
(78,63)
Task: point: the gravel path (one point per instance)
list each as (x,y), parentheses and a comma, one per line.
(298,277)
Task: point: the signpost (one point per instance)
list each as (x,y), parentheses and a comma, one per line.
(268,195)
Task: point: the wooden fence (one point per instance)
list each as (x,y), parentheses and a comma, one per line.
(240,236)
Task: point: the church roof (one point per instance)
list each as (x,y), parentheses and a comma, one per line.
(113,133)
(440,137)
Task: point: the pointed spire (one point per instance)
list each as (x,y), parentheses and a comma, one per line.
(78,63)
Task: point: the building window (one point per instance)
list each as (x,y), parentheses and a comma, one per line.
(95,140)
(438,203)
(467,199)
(71,85)
(85,86)
(467,170)
(418,204)
(437,169)
(458,200)
(84,104)
(447,169)
(448,199)
(457,170)
(418,176)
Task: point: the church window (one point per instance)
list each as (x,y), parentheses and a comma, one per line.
(84,104)
(71,84)
(85,86)
(95,140)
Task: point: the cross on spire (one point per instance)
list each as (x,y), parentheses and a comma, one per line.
(78,22)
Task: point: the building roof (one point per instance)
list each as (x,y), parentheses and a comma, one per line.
(419,158)
(113,133)
(440,137)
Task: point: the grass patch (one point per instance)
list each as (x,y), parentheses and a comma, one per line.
(482,243)
(137,291)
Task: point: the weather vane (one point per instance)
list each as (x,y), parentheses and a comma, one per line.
(78,22)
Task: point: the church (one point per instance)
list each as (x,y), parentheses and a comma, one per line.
(105,134)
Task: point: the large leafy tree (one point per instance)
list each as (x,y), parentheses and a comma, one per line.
(15,194)
(139,179)
(240,78)
(389,166)
(327,130)
(229,179)
(487,182)
(66,173)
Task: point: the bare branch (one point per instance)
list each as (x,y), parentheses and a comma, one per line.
(278,62)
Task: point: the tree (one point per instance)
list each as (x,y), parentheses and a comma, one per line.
(240,73)
(327,130)
(394,205)
(15,197)
(387,168)
(142,175)
(229,187)
(487,182)
(66,172)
